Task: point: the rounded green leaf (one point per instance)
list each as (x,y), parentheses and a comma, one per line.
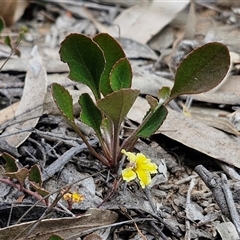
(203,69)
(116,105)
(55,237)
(11,163)
(90,114)
(112,53)
(153,123)
(121,75)
(85,60)
(35,174)
(63,100)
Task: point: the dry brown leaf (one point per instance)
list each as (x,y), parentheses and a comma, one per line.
(218,122)
(12,10)
(148,82)
(31,104)
(134,49)
(218,97)
(64,227)
(142,21)
(227,230)
(194,134)
(163,39)
(8,113)
(20,65)
(205,139)
(217,118)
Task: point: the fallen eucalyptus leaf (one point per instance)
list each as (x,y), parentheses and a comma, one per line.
(29,111)
(217,122)
(227,231)
(65,227)
(152,16)
(205,139)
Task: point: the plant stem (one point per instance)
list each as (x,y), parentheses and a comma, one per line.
(23,189)
(115,145)
(129,142)
(13,50)
(99,157)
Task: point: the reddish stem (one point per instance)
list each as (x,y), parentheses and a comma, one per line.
(23,189)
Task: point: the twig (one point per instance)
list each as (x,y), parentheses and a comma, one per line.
(214,183)
(17,186)
(124,212)
(157,214)
(162,235)
(231,205)
(64,159)
(188,202)
(72,141)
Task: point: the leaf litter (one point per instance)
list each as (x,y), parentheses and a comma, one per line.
(180,198)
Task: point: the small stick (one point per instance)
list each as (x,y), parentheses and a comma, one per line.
(231,205)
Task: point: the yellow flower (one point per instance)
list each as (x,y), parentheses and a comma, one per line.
(140,167)
(76,197)
(73,197)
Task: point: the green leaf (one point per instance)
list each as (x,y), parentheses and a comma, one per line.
(164,94)
(55,237)
(121,75)
(11,163)
(35,174)
(2,24)
(90,114)
(112,53)
(8,41)
(85,60)
(201,70)
(153,123)
(116,105)
(63,100)
(41,191)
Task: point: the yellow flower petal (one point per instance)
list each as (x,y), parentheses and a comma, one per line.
(144,177)
(131,156)
(145,163)
(128,174)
